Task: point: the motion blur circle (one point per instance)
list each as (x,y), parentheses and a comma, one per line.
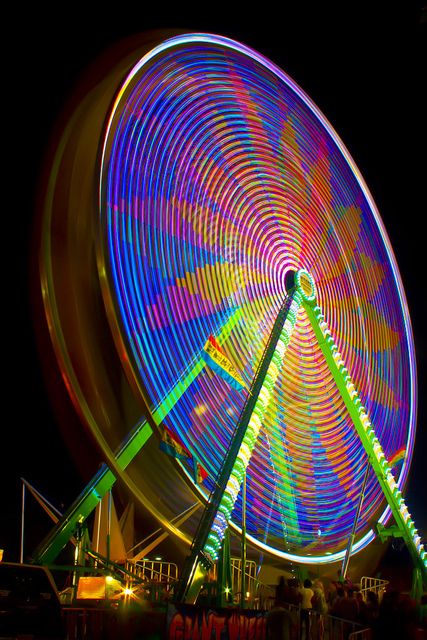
(218,177)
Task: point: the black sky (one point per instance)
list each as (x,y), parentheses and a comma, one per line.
(366,70)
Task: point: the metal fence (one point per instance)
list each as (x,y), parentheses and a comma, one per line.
(376,585)
(108,624)
(157,570)
(310,625)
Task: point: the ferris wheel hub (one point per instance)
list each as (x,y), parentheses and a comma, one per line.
(303,282)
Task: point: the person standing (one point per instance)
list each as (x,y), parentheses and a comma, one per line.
(307,594)
(281,592)
(320,609)
(350,612)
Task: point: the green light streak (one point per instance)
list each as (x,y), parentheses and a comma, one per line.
(366,433)
(181,387)
(285,494)
(104,479)
(251,432)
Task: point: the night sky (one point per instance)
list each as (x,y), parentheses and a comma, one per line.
(366,70)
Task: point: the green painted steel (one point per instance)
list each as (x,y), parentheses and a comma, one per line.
(224,593)
(181,387)
(214,522)
(206,544)
(285,495)
(104,479)
(208,537)
(251,421)
(88,500)
(366,433)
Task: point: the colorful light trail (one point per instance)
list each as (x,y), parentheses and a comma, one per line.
(219,176)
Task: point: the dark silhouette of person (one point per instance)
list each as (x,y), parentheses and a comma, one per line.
(307,594)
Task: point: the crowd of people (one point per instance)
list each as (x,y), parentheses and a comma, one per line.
(302,609)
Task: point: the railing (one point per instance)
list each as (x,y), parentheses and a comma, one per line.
(315,626)
(236,577)
(251,595)
(258,595)
(265,596)
(111,624)
(159,578)
(376,585)
(340,629)
(156,570)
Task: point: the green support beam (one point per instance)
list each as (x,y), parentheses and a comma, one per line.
(363,426)
(285,495)
(209,537)
(87,501)
(214,523)
(104,479)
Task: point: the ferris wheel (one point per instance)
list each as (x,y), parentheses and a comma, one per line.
(218,200)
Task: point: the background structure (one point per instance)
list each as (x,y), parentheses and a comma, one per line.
(365,69)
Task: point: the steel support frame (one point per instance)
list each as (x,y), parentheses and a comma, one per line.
(302,292)
(104,479)
(368,438)
(214,522)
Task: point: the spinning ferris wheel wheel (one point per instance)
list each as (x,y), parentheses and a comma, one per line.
(210,202)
